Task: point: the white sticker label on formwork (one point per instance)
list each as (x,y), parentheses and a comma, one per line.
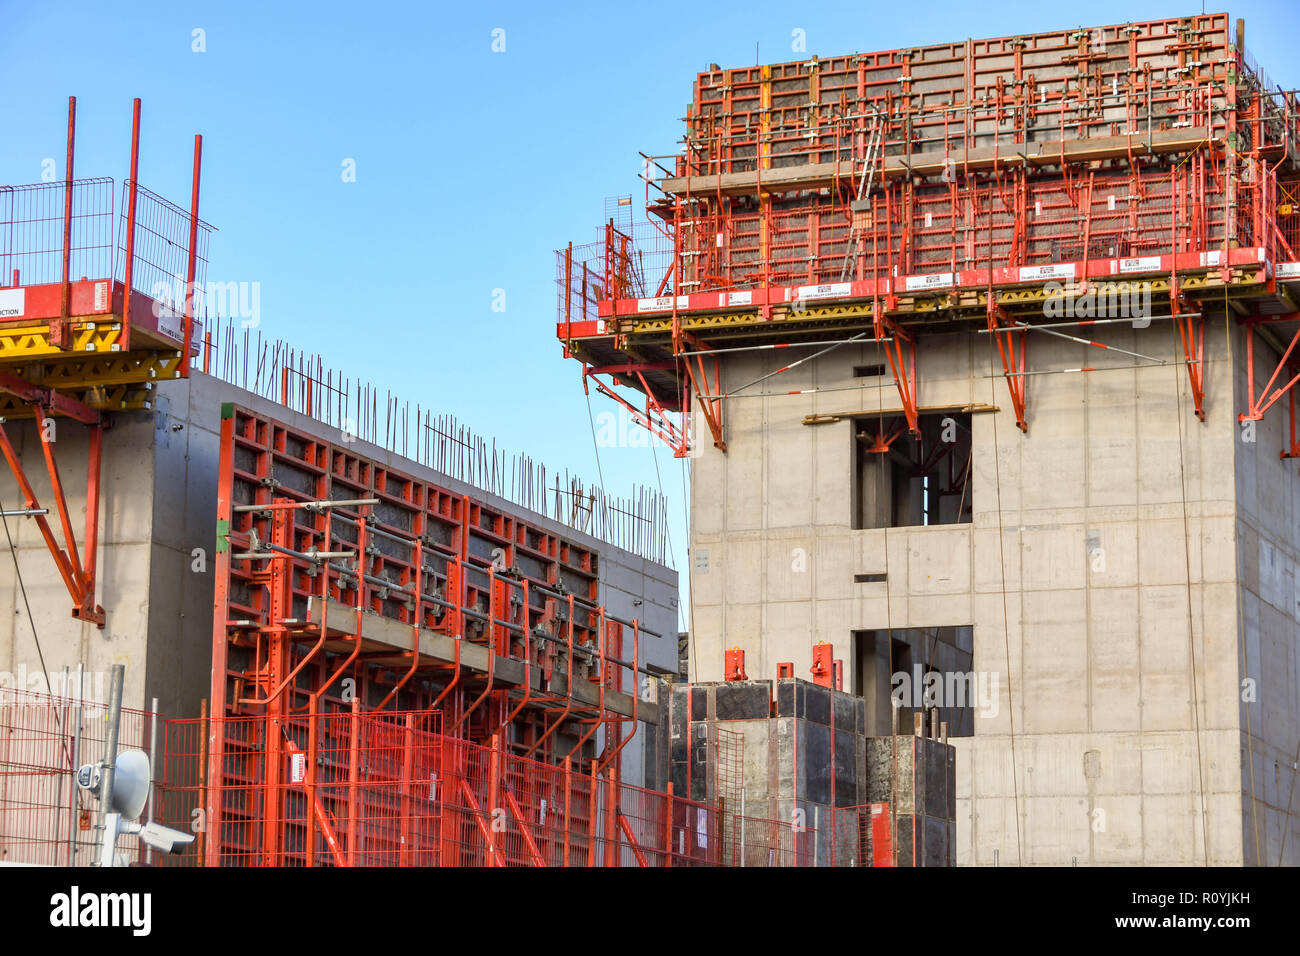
(1034,273)
(1288,270)
(663,303)
(740,298)
(12,303)
(297,767)
(829,290)
(701,830)
(171,323)
(101,296)
(1143,264)
(1211,258)
(940,280)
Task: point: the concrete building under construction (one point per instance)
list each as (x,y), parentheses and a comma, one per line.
(1090,543)
(950,603)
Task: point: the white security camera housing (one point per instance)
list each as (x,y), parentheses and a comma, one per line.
(165,839)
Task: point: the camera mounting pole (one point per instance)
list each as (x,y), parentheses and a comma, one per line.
(110,761)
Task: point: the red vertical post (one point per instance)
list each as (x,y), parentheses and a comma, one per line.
(593,824)
(611,819)
(668,826)
(494,798)
(190,271)
(408,769)
(309,785)
(60,329)
(354,770)
(215,745)
(568,819)
(131,192)
(95,457)
(568,283)
(66,294)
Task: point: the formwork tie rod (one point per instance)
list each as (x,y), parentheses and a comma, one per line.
(861,337)
(309,505)
(1103,368)
(1078,322)
(270,550)
(1082,341)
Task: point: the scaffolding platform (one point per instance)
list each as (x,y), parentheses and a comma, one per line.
(881,197)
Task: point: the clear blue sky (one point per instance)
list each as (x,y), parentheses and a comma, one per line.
(472,166)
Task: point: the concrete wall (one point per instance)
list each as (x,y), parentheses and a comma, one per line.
(1100,560)
(158,534)
(1268,555)
(125,556)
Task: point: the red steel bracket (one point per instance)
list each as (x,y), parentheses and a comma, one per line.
(707,395)
(1191,329)
(653,417)
(901,350)
(1269,395)
(78,576)
(1012,346)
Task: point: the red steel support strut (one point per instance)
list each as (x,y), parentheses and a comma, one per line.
(78,576)
(1191,329)
(1012,347)
(1268,396)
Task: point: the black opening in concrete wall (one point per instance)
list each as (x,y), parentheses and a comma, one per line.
(903,481)
(915,669)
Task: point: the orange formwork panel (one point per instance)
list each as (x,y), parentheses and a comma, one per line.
(346,585)
(958,186)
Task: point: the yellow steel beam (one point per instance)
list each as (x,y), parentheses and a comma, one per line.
(1241,284)
(120,368)
(21,343)
(112,398)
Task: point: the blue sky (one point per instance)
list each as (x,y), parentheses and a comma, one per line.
(472,167)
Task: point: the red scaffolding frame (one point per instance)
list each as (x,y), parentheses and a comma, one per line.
(82,348)
(837,194)
(347,587)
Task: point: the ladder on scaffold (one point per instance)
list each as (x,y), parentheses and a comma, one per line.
(862,204)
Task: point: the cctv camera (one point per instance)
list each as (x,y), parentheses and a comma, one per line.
(88,777)
(162,838)
(158,836)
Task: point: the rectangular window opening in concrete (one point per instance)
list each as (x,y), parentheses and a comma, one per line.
(868,371)
(901,481)
(894,664)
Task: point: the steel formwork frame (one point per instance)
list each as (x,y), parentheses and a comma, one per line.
(83,348)
(944,187)
(388,788)
(347,587)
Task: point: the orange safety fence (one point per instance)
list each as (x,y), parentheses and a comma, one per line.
(346,788)
(45,818)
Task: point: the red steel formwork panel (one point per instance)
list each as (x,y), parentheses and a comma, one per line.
(331,565)
(385,789)
(882,192)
